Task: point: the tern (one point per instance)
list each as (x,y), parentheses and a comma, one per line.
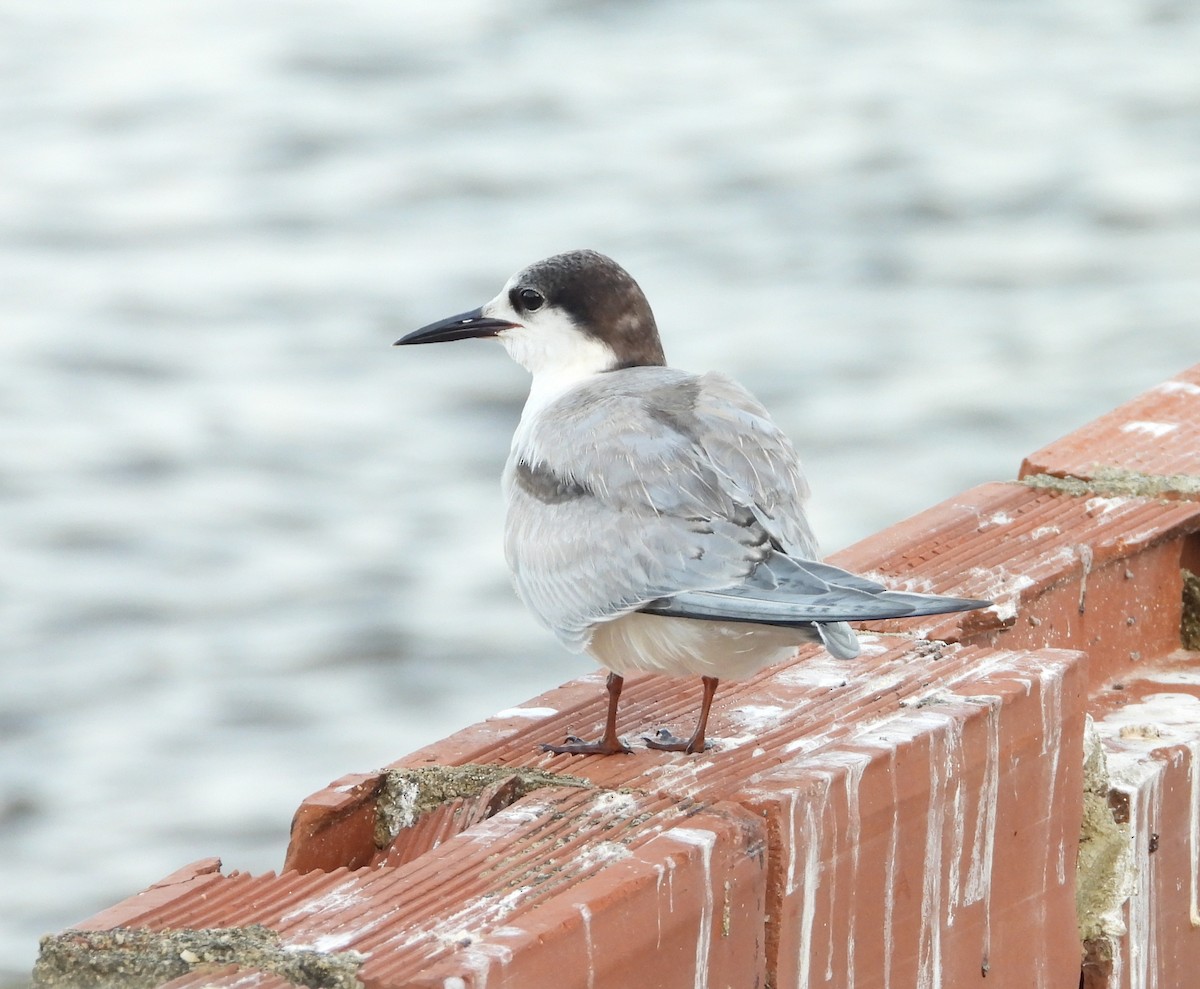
(655,518)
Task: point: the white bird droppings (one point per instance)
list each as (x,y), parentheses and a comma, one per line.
(1155,429)
(526,712)
(705,841)
(1102,506)
(1178,388)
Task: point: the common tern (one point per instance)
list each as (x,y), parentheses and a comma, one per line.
(655,517)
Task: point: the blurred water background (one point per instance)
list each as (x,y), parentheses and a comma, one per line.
(246,547)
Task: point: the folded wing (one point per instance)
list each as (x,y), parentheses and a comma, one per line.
(673,494)
(784,591)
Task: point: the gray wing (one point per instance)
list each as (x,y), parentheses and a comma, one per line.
(656,490)
(757,463)
(621,493)
(785,591)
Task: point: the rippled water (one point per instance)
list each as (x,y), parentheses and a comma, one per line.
(247,547)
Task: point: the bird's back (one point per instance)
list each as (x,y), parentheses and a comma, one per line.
(641,483)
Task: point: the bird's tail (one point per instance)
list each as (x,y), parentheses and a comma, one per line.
(790,592)
(838,638)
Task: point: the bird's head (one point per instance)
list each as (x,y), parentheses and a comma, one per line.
(570,315)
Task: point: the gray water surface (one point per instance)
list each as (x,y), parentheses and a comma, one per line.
(246,547)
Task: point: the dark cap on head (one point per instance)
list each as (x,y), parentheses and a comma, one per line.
(602,298)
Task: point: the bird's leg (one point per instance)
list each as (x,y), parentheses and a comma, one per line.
(664,740)
(609,744)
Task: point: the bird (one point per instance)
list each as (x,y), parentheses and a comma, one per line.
(655,518)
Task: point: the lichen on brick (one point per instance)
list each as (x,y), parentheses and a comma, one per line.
(408,793)
(1117,482)
(1105,869)
(1189,628)
(139,959)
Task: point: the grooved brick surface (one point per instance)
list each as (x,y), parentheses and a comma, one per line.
(926,748)
(919,848)
(909,818)
(1063,570)
(1157,433)
(596,880)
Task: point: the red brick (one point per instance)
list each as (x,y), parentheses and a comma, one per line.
(897,713)
(566,880)
(335,827)
(1054,563)
(684,910)
(1157,433)
(1151,734)
(908,818)
(935,846)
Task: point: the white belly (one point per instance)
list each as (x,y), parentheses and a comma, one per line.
(642,643)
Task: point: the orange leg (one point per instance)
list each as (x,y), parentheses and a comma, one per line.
(667,742)
(609,744)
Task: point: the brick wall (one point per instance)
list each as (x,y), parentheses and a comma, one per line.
(1003,798)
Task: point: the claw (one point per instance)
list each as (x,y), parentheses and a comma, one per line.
(664,741)
(575,745)
(609,743)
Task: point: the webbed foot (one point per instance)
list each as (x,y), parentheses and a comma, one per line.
(664,741)
(574,745)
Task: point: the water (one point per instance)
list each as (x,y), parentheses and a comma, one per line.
(248,548)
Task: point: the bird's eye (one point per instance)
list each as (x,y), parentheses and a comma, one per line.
(531,299)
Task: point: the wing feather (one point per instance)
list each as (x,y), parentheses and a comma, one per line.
(653,489)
